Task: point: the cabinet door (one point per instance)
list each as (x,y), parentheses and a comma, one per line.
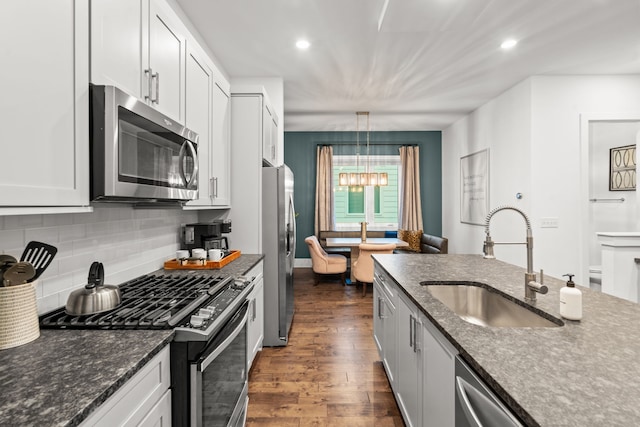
(199,82)
(274,139)
(221,150)
(267,122)
(45,103)
(438,378)
(166,59)
(256,322)
(160,414)
(117,44)
(409,356)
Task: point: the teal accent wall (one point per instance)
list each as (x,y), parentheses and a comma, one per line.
(300,156)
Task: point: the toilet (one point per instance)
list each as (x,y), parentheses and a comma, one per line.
(595,277)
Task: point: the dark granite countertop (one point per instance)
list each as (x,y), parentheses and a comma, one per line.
(584,373)
(64,375)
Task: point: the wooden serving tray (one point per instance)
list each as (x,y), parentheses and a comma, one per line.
(174,264)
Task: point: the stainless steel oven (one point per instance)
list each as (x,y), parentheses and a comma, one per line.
(219,390)
(137,153)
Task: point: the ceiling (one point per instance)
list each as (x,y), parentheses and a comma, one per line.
(413,64)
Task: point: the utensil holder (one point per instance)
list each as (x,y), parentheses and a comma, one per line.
(18,315)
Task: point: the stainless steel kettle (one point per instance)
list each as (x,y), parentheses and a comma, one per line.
(95,297)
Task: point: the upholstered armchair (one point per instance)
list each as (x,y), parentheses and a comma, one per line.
(324,263)
(362,268)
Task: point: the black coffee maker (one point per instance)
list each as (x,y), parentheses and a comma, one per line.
(206,235)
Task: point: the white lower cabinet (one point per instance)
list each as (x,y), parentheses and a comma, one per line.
(409,361)
(423,381)
(384,324)
(144,400)
(255,324)
(438,377)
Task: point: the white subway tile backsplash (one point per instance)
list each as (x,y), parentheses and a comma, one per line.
(45,234)
(57,220)
(129,242)
(15,222)
(11,240)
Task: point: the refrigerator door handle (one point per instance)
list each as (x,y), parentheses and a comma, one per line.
(291,228)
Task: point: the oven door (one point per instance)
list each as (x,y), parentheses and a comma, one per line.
(219,377)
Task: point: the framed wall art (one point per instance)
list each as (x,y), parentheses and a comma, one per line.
(622,168)
(474,187)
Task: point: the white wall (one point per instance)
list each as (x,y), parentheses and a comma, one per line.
(501,125)
(533,133)
(129,242)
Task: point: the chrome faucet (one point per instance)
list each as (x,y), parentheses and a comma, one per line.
(531,287)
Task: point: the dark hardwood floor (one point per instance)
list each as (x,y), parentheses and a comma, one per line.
(330,373)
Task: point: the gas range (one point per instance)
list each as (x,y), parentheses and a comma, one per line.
(193,305)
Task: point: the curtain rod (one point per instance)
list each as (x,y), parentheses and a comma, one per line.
(370,144)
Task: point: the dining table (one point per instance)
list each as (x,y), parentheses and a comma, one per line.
(353,243)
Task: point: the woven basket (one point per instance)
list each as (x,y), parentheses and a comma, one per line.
(18,315)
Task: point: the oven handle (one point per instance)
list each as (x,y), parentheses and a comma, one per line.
(237,324)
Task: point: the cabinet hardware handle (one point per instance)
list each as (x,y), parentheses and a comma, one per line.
(254,309)
(157,87)
(148,74)
(411,331)
(215,182)
(381,308)
(415,334)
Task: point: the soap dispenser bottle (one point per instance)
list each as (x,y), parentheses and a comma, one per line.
(570,300)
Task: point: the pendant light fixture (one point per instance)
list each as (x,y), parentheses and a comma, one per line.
(365,178)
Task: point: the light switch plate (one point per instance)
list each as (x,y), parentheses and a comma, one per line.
(550,222)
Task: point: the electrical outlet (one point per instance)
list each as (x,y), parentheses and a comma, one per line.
(551,222)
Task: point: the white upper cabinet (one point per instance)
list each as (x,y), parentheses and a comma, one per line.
(140,47)
(270,136)
(44,104)
(165,72)
(208,113)
(199,114)
(221,147)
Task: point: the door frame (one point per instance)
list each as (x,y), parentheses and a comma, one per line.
(585,120)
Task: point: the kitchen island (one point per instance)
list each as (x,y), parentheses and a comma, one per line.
(581,374)
(62,377)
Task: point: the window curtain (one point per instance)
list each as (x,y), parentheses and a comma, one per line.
(410,217)
(324,219)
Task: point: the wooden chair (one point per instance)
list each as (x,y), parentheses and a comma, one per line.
(324,263)
(362,268)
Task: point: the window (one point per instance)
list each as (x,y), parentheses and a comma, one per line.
(376,205)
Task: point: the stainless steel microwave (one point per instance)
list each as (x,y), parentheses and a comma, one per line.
(137,153)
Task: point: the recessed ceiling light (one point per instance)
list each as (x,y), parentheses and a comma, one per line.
(303,44)
(508,44)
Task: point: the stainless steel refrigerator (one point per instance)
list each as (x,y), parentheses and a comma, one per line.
(279,248)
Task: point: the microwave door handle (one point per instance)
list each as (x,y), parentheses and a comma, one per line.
(189,145)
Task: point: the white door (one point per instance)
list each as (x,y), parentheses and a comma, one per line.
(221,150)
(117,44)
(199,82)
(408,357)
(166,59)
(44,103)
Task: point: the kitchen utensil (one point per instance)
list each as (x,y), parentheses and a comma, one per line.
(95,296)
(39,255)
(6,261)
(18,273)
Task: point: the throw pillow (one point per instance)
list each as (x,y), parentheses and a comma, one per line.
(412,237)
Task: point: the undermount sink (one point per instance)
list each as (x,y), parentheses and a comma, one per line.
(481,306)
